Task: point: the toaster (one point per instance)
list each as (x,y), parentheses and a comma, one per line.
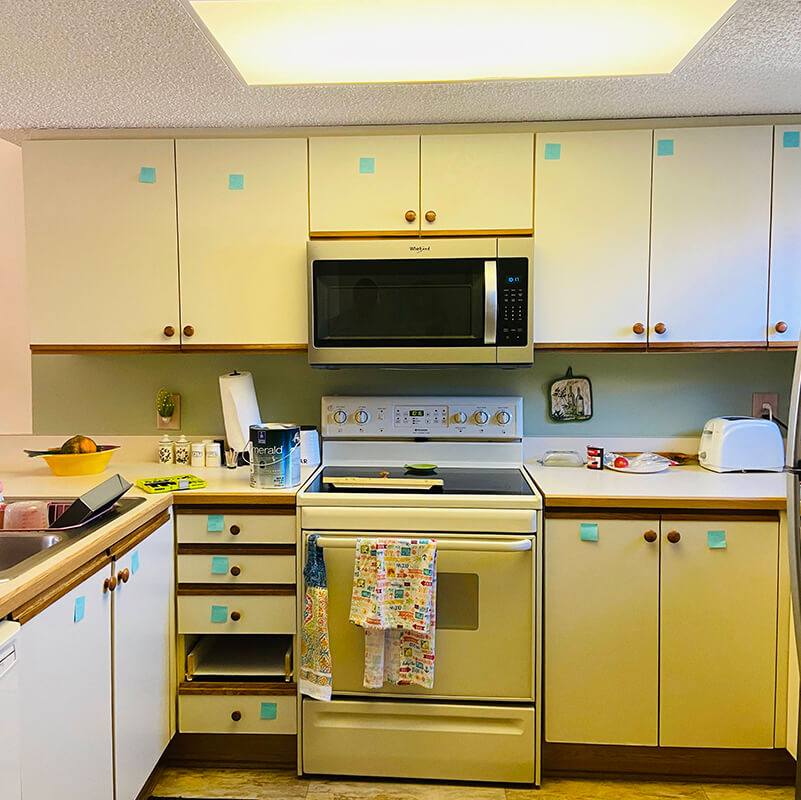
(741,444)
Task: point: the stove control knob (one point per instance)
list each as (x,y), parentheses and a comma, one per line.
(480,417)
(503,417)
(340,417)
(361,417)
(460,417)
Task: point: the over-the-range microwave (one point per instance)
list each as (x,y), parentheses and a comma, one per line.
(421,302)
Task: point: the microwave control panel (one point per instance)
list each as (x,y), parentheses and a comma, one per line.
(512,328)
(422,417)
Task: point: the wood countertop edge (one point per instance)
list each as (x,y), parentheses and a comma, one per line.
(238,498)
(676,502)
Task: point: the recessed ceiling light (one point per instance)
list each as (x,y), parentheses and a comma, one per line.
(377,41)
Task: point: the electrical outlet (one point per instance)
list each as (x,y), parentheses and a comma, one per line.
(760,399)
(174,422)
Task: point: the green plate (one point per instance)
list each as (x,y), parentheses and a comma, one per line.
(420,467)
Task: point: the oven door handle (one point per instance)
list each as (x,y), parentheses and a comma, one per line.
(490,301)
(451,545)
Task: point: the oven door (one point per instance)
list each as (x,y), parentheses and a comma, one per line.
(485,618)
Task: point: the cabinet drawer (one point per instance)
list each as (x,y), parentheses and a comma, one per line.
(237,528)
(257,714)
(258,613)
(217,568)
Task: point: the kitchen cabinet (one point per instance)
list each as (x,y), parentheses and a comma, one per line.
(101,243)
(710,235)
(592,232)
(434,185)
(242,228)
(784,323)
(142,636)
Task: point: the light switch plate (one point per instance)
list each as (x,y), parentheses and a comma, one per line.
(174,422)
(762,398)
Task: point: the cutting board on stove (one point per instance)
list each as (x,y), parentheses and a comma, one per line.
(383,483)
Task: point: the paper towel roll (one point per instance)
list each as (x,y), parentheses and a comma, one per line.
(240,408)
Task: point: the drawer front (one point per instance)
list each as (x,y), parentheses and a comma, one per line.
(257,613)
(235,528)
(206,713)
(356,737)
(217,568)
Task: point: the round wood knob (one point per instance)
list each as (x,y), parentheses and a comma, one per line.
(236,616)
(235,570)
(123,575)
(234,530)
(649,536)
(431,216)
(638,327)
(189,330)
(410,215)
(781,327)
(660,328)
(236,716)
(109,584)
(673,537)
(169,330)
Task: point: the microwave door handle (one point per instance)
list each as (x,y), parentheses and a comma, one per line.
(451,545)
(490,301)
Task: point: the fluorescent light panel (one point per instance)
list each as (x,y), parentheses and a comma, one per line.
(376,41)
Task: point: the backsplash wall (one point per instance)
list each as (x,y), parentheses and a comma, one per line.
(635,394)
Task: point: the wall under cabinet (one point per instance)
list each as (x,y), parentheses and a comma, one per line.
(636,394)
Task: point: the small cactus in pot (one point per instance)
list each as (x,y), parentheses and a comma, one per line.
(165,404)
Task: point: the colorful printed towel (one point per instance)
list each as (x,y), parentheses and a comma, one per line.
(315,651)
(394,600)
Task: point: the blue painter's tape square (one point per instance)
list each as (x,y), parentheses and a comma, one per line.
(716,540)
(791,139)
(367,166)
(588,531)
(214,523)
(79,612)
(147,175)
(553,151)
(219,565)
(219,613)
(236,182)
(268,711)
(135,563)
(664,147)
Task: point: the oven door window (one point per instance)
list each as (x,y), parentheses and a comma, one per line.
(399,303)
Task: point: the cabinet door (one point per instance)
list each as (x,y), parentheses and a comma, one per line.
(710,235)
(592,231)
(65,691)
(478,183)
(718,633)
(243,226)
(101,242)
(601,631)
(784,305)
(143,610)
(364,185)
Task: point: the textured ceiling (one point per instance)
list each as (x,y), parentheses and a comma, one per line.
(144,63)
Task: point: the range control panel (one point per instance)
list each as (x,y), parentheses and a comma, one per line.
(422,417)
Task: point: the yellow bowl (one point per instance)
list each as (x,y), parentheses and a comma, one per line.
(65,464)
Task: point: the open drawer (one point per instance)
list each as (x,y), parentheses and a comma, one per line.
(242,657)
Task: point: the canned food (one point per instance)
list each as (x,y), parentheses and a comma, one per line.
(595,457)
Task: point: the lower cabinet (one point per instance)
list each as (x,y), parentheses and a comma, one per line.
(661,630)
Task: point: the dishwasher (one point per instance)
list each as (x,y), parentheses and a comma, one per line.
(9,713)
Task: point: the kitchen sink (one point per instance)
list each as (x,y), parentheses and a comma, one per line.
(18,546)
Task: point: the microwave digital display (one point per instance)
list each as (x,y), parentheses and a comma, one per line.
(416,412)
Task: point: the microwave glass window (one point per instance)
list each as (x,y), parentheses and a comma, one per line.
(427,302)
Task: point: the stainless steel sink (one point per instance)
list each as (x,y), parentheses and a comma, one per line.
(16,547)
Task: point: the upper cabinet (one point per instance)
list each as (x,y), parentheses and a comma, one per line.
(591,237)
(784,304)
(102,242)
(242,227)
(434,185)
(710,235)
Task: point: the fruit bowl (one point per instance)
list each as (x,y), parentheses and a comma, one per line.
(70,464)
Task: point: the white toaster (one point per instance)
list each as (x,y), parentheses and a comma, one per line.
(741,444)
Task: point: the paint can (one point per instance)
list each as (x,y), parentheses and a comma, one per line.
(274,455)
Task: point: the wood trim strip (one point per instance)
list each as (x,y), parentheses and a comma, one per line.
(237,549)
(238,687)
(663,504)
(139,535)
(427,233)
(238,348)
(712,347)
(57,349)
(36,605)
(252,589)
(600,346)
(586,513)
(666,515)
(278,505)
(399,234)
(773,345)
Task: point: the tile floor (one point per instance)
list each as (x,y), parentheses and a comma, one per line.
(285,785)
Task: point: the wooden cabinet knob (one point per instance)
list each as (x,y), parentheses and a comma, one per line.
(649,536)
(410,215)
(189,330)
(236,570)
(169,330)
(674,537)
(431,216)
(236,716)
(234,529)
(660,328)
(109,584)
(781,327)
(638,327)
(123,575)
(236,616)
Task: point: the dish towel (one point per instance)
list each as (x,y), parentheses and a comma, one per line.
(394,600)
(315,650)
